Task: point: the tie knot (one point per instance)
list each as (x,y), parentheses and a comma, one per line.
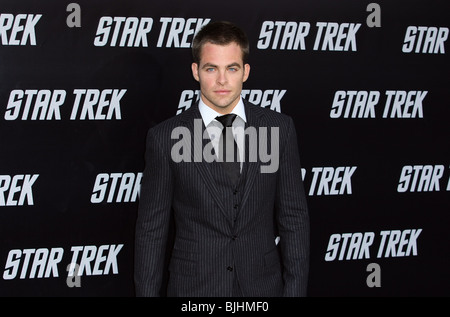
(226,120)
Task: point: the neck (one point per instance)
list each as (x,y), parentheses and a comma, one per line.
(222,110)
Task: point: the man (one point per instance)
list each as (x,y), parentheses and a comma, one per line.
(226,228)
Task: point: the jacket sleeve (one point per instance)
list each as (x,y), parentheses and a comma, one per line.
(292,218)
(152,225)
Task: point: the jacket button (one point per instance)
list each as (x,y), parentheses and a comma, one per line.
(234,237)
(230,268)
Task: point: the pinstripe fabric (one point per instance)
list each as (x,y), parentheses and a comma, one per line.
(221,232)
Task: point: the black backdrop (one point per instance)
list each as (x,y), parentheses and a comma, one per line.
(69,177)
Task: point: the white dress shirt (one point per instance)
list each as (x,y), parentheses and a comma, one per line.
(214,127)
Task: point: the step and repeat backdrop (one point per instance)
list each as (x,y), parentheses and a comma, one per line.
(367,84)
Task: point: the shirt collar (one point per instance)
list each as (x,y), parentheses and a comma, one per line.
(209,114)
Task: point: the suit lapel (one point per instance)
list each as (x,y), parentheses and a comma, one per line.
(194,123)
(255,120)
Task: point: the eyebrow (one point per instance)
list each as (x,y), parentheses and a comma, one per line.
(208,65)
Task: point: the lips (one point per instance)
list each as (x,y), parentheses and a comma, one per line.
(222,92)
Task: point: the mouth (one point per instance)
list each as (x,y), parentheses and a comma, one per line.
(222,92)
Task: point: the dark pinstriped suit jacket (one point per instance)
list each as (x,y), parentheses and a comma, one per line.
(211,249)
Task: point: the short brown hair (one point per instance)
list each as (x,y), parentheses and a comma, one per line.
(220,33)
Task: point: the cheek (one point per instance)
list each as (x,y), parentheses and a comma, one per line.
(207,81)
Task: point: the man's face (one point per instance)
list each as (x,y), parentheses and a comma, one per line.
(221,73)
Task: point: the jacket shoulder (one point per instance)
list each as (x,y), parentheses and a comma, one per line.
(272,116)
(167,126)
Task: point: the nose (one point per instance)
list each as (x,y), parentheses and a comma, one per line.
(221,78)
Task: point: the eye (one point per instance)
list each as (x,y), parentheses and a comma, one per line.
(232,69)
(210,69)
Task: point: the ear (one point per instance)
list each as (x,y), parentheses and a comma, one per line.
(246,72)
(194,68)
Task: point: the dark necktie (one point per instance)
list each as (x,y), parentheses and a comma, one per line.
(228,144)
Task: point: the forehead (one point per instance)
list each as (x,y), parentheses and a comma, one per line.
(221,54)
